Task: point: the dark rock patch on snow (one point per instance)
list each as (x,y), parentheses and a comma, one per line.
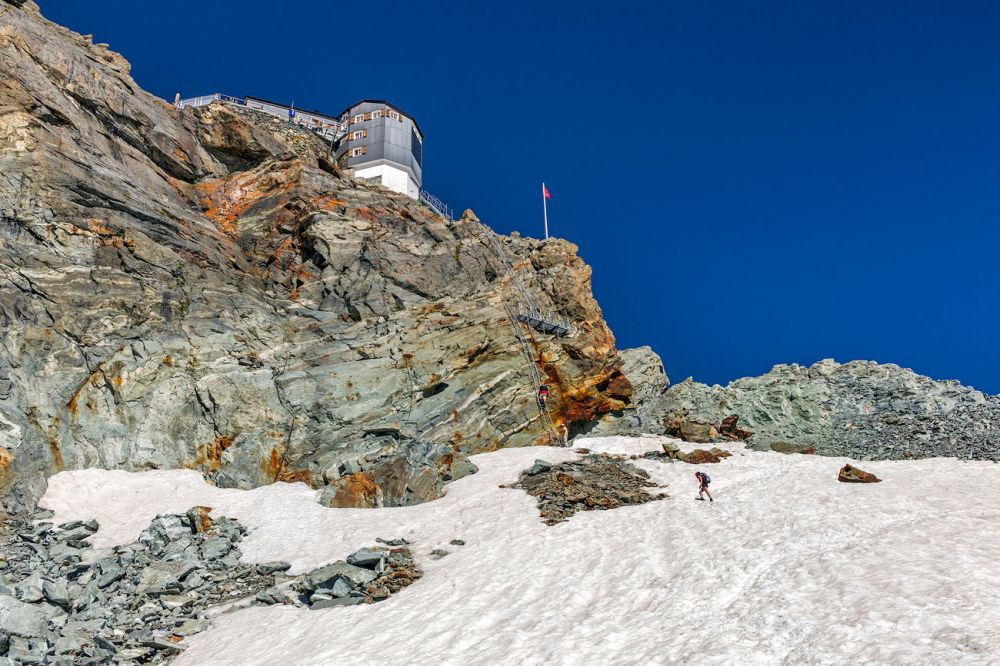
(594,483)
(367,576)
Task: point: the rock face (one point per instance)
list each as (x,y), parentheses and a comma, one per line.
(202,288)
(860,409)
(644,370)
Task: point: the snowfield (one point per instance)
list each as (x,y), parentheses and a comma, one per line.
(786,566)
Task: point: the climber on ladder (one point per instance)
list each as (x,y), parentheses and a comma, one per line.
(543,395)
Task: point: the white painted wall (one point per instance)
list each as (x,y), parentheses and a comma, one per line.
(395,179)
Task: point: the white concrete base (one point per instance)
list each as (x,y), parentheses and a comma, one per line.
(395,179)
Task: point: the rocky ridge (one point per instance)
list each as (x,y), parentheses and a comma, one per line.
(204,288)
(863,410)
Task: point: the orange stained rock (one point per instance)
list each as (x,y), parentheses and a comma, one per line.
(98,227)
(366,213)
(358,491)
(226,199)
(274,467)
(203,522)
(56,452)
(6,468)
(327,201)
(210,455)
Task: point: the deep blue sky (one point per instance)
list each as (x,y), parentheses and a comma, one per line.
(753,182)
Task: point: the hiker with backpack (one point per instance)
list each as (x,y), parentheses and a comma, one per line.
(543,395)
(703,481)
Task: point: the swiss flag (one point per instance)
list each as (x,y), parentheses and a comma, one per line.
(545,192)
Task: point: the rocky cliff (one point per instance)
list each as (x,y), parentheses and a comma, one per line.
(204,288)
(860,409)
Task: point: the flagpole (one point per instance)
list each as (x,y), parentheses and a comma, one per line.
(545,212)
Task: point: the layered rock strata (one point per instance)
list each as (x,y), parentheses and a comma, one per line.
(204,288)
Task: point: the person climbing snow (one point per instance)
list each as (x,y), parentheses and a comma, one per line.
(543,394)
(703,481)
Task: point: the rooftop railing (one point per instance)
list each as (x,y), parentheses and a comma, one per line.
(327,129)
(205,100)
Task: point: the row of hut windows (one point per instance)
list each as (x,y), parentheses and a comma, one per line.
(371,115)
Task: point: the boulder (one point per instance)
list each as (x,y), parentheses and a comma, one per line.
(171,601)
(691,431)
(200,520)
(701,456)
(164,576)
(320,604)
(162,530)
(55,593)
(672,450)
(850,474)
(30,589)
(369,558)
(271,595)
(789,447)
(215,547)
(732,432)
(539,467)
(324,578)
(272,567)
(23,619)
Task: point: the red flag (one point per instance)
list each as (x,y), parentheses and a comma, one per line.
(545,192)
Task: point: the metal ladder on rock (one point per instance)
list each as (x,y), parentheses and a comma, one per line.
(528,311)
(536,377)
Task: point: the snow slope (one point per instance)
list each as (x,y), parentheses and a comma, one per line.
(787,566)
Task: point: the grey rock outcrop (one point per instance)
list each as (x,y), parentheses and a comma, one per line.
(203,288)
(860,409)
(644,370)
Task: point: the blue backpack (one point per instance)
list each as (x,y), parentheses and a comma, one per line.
(705,478)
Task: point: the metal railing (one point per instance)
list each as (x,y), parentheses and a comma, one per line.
(438,206)
(327,129)
(205,100)
(528,310)
(546,322)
